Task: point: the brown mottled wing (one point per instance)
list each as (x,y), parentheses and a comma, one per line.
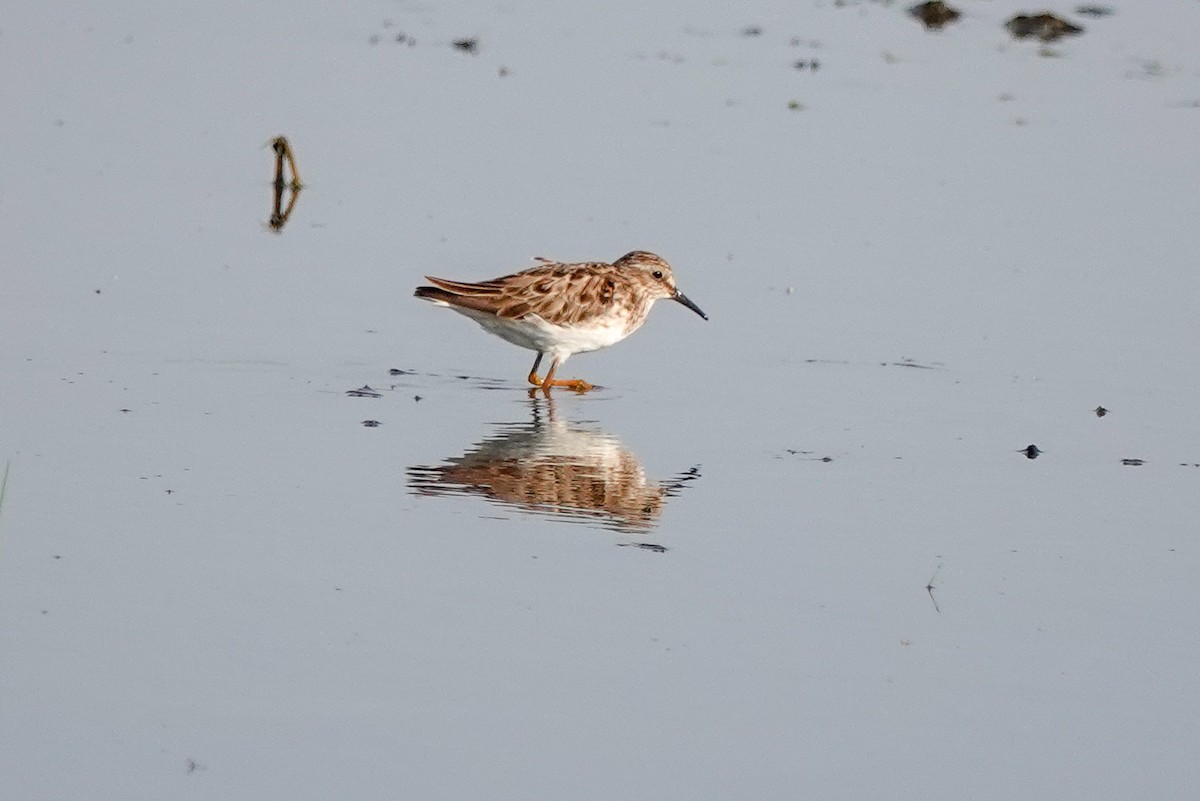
(454,293)
(564,294)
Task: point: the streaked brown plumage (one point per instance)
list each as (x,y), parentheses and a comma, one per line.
(560,309)
(565,469)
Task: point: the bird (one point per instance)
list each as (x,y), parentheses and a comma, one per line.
(559,309)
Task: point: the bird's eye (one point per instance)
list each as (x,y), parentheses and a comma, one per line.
(657,273)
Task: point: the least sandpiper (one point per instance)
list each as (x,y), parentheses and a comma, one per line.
(559,309)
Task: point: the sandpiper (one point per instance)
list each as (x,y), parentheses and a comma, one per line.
(559,309)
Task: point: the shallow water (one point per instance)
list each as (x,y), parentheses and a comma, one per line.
(795,550)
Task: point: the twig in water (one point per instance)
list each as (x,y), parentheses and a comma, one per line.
(4,485)
(929,588)
(283,153)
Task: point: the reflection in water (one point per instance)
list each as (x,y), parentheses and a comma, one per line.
(280,215)
(564,469)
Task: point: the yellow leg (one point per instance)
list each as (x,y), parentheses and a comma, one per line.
(573,384)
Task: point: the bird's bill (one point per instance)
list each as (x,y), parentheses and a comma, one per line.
(682,298)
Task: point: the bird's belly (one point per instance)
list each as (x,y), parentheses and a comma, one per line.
(534,333)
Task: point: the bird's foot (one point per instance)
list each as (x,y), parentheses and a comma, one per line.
(573,384)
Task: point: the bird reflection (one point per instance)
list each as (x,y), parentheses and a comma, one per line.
(569,470)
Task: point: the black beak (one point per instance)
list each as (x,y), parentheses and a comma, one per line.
(682,298)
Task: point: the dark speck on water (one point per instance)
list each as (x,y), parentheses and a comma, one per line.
(645,546)
(364,392)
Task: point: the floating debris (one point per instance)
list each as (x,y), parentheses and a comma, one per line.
(916,365)
(1046,27)
(645,546)
(1031,451)
(398,371)
(812,64)
(752,30)
(283,155)
(283,152)
(930,587)
(364,392)
(470,45)
(1094,11)
(934,14)
(371,423)
(796,105)
(1133,462)
(675,485)
(1100,411)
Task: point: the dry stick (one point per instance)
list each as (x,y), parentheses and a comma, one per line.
(277,219)
(283,150)
(279,215)
(279,145)
(291,205)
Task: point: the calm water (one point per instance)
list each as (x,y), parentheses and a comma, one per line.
(794,550)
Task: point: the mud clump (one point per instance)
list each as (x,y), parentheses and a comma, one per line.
(1046,27)
(934,14)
